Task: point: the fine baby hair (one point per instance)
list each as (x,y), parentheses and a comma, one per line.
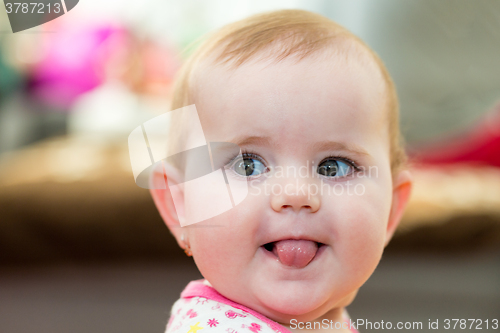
(288,88)
(278,35)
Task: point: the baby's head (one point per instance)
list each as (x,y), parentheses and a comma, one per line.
(295,90)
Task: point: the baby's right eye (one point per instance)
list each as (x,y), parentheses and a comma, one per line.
(248,166)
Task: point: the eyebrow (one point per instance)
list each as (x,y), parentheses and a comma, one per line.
(324,145)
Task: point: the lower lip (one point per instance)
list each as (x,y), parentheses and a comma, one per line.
(317,256)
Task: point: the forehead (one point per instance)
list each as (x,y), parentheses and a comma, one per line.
(296,102)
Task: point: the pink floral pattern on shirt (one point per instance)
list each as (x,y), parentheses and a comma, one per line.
(208,314)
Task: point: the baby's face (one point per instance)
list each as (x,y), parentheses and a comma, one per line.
(318,114)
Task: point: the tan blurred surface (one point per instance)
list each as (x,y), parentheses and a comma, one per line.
(74,198)
(443,193)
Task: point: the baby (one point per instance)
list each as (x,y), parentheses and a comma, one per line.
(292,89)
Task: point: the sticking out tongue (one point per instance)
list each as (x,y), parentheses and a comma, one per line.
(295,253)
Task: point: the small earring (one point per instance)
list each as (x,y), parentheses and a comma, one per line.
(187,249)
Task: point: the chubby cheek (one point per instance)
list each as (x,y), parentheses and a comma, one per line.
(211,249)
(222,253)
(361,231)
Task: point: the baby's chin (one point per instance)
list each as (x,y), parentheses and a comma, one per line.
(290,300)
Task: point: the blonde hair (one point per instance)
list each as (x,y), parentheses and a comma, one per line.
(283,33)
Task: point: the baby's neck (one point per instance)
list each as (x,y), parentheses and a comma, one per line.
(323,324)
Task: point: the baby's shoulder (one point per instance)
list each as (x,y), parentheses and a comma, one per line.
(189,315)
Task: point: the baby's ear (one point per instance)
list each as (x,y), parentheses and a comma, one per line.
(401,191)
(163,197)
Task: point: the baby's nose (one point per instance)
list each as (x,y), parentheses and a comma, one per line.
(295,195)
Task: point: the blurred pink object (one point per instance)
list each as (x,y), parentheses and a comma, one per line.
(72,62)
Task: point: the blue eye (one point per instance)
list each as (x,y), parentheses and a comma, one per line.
(334,168)
(248,166)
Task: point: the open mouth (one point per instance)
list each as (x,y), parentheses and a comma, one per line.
(296,253)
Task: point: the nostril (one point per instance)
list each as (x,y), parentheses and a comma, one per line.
(290,206)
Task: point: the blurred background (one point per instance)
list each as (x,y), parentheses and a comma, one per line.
(83,249)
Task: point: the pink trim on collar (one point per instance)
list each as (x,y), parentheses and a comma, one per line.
(198,288)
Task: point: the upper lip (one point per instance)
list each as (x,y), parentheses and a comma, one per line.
(293,237)
(294,228)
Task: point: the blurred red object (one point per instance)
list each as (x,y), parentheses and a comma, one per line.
(479,145)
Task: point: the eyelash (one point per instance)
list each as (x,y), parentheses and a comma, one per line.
(342,158)
(246,153)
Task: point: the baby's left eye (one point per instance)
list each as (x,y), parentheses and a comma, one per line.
(334,168)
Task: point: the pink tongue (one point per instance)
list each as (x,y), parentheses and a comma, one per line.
(296,253)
